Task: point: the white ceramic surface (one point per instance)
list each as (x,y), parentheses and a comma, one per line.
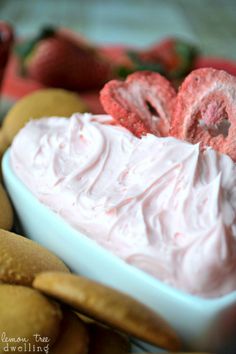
(204,324)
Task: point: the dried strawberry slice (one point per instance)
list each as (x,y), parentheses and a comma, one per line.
(205,110)
(143,103)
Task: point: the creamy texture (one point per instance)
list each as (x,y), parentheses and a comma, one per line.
(158,203)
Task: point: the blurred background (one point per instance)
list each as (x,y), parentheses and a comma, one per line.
(208,23)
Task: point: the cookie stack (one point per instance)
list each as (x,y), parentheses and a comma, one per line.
(45,307)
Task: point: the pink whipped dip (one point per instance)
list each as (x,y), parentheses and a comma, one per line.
(158,203)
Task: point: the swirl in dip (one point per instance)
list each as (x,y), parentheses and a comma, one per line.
(158,203)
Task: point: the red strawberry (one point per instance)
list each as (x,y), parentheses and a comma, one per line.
(6,41)
(56,59)
(172,58)
(143,103)
(227,65)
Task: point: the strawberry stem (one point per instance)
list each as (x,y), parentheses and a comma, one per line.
(187,54)
(23,49)
(138,65)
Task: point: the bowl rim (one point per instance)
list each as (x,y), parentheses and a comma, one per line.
(209,304)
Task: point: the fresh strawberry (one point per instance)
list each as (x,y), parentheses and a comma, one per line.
(227,65)
(55,58)
(175,55)
(172,58)
(6,41)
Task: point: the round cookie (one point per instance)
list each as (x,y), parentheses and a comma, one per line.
(42,103)
(108,306)
(3,143)
(104,340)
(73,336)
(6,211)
(26,313)
(21,259)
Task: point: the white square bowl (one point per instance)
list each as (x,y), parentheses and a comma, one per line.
(203,324)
